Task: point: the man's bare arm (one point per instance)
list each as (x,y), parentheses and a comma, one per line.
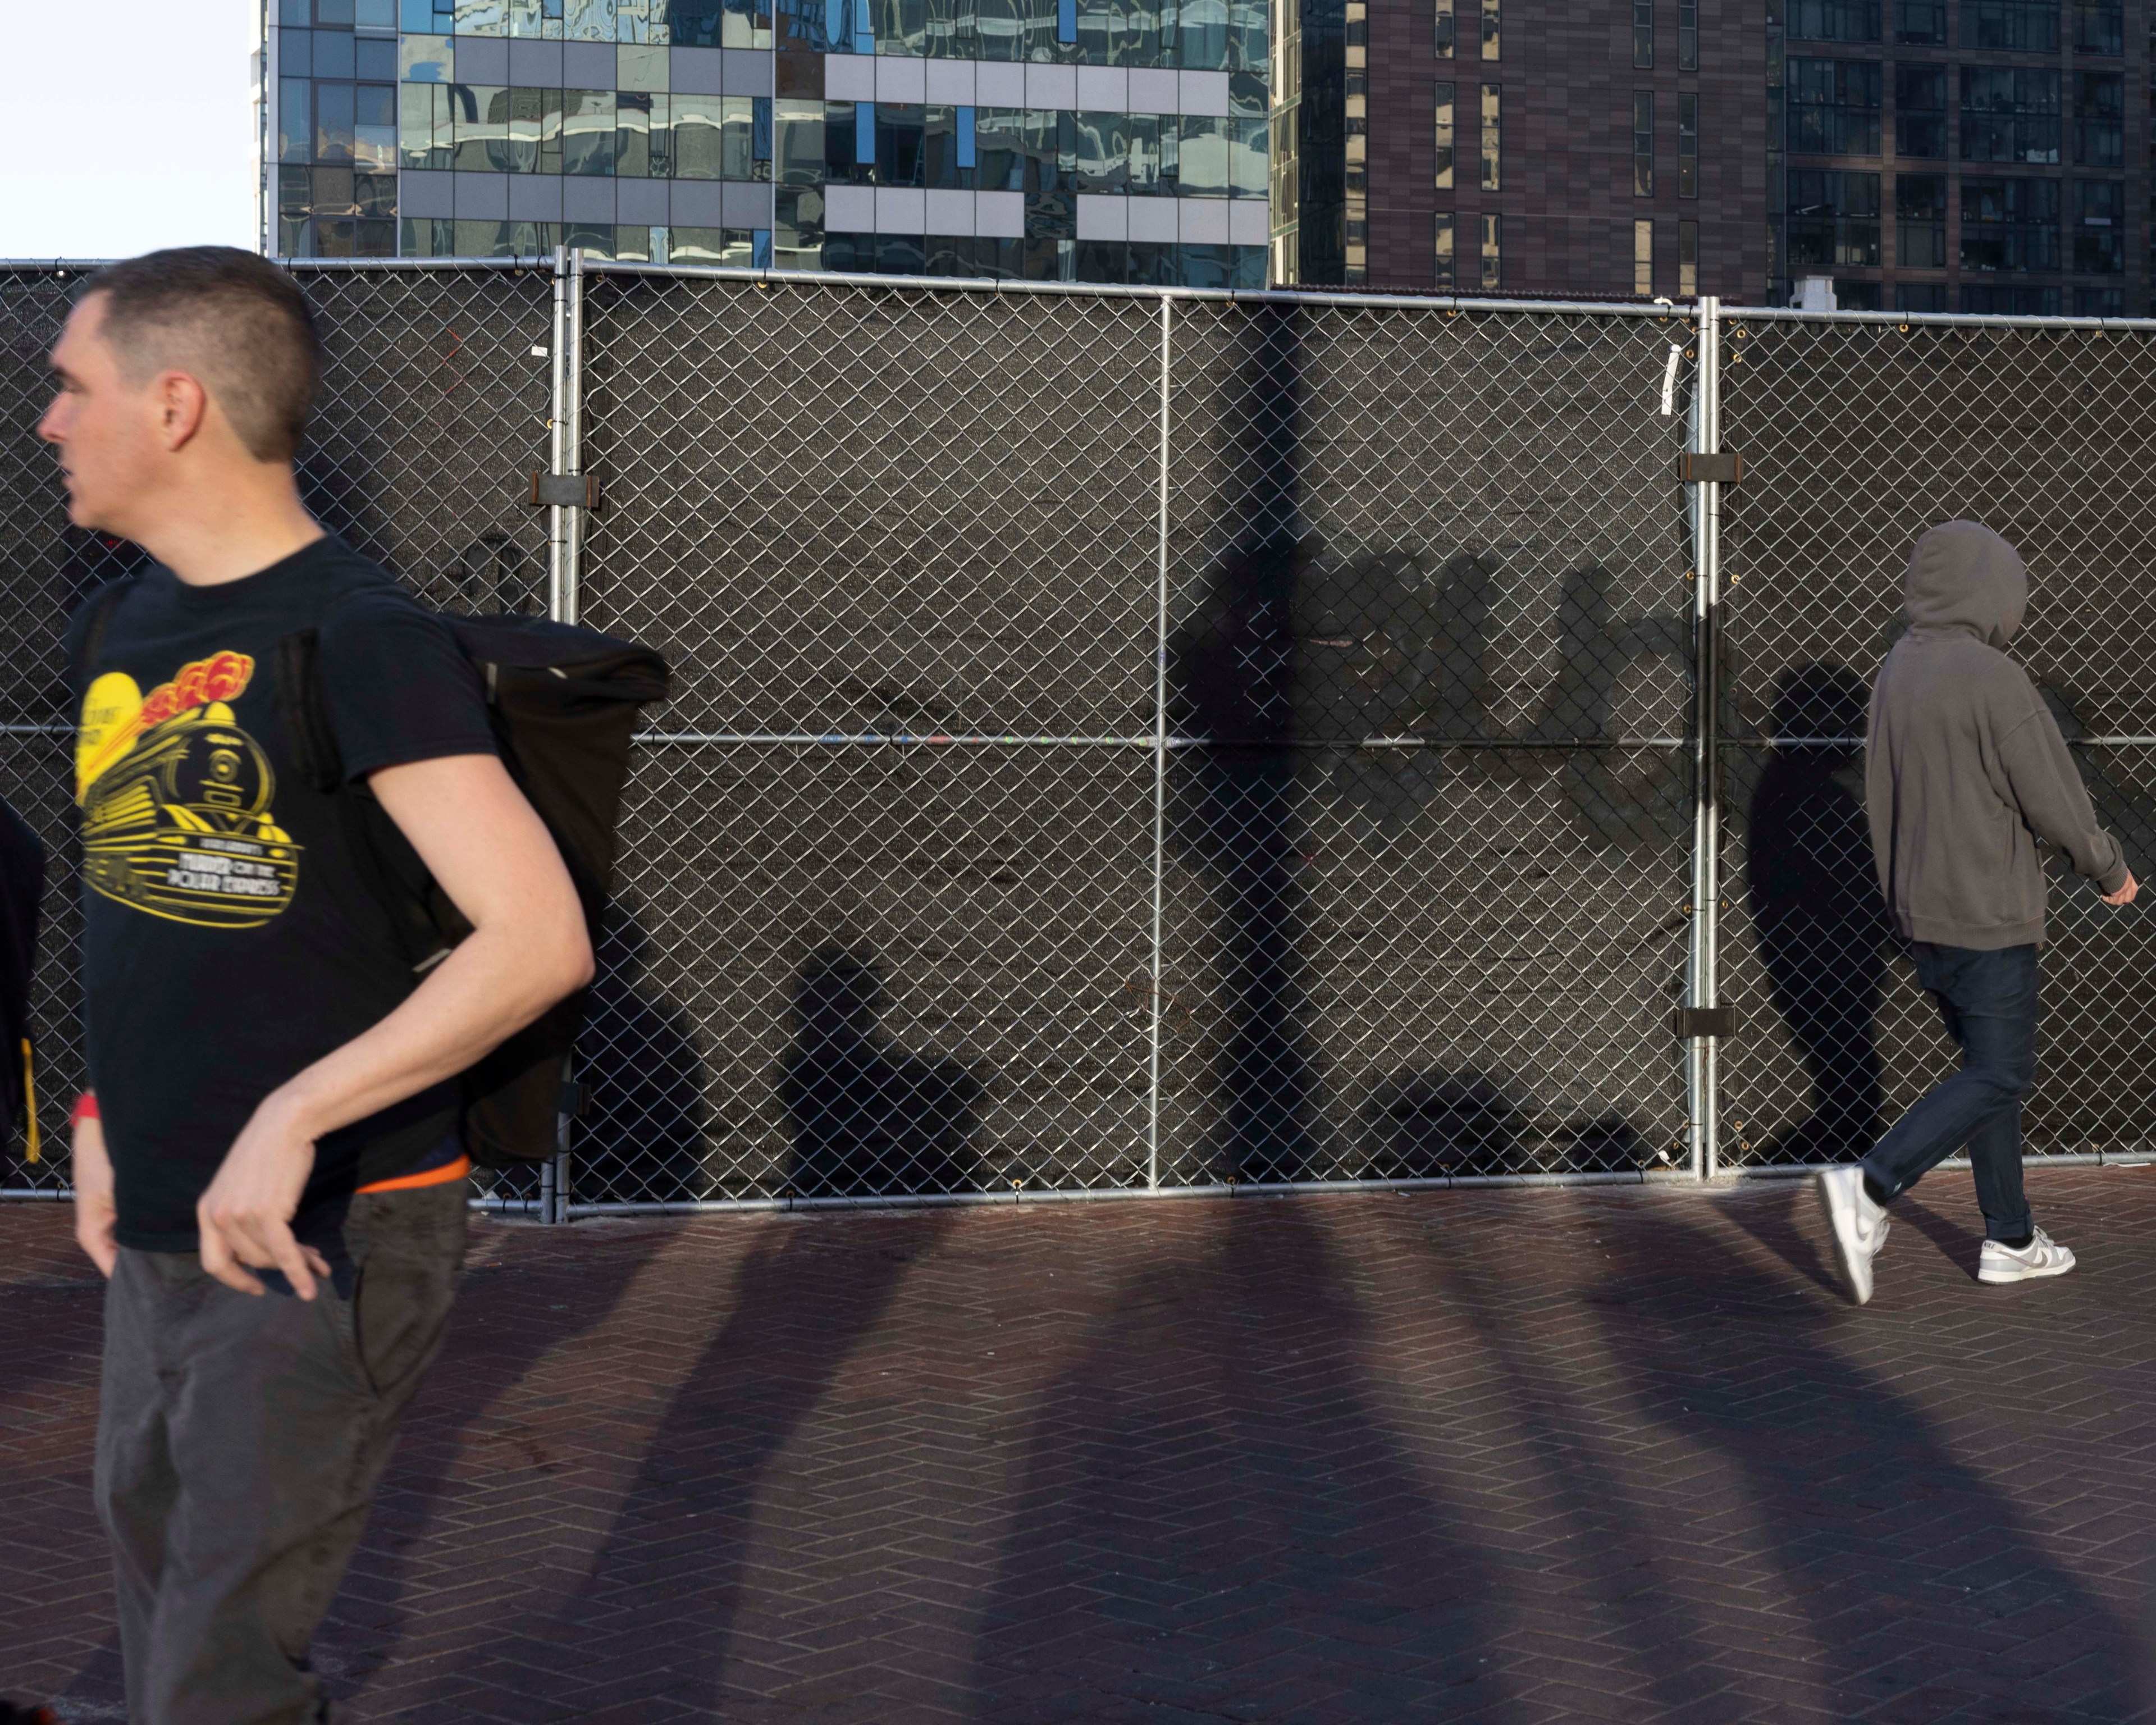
(490,853)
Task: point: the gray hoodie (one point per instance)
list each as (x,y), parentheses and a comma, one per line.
(1966,770)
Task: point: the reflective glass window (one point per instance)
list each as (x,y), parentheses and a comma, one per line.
(1447,269)
(588,20)
(1643,143)
(2099,27)
(632,134)
(295,52)
(2016,26)
(1643,34)
(296,191)
(295,119)
(375,15)
(587,131)
(482,127)
(424,59)
(1492,135)
(1834,20)
(698,137)
(1920,22)
(1446,33)
(1833,218)
(1920,221)
(999,149)
(333,56)
(1103,152)
(1143,152)
(1920,111)
(1490,33)
(1688,144)
(2009,224)
(1687,260)
(1687,35)
(2010,114)
(1493,252)
(333,122)
(2099,227)
(792,145)
(375,195)
(1443,109)
(295,14)
(1643,260)
(1834,107)
(333,11)
(2099,119)
(1201,36)
(375,59)
(899,141)
(1204,165)
(374,130)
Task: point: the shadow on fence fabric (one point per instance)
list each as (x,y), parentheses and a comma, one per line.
(1824,932)
(864,1119)
(642,1136)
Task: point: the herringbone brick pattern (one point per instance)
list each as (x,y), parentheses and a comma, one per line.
(1505,1455)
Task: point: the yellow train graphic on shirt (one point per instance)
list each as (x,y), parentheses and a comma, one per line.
(177,801)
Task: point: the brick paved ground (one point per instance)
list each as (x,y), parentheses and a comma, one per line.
(1506,1456)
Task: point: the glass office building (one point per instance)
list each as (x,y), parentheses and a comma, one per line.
(1117,140)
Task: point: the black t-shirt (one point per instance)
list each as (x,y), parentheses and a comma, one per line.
(230,941)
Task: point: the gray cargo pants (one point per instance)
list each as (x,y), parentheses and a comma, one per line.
(238,1440)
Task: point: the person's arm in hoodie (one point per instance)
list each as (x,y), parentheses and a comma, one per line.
(2048,790)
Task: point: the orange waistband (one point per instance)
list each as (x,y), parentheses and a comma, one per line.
(440,1176)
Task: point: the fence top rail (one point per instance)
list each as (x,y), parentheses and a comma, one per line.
(1936,320)
(541,263)
(972,285)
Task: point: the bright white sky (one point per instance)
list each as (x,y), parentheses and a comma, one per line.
(127,126)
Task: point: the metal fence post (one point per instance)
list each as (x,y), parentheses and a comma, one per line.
(1159,754)
(564,557)
(1702,983)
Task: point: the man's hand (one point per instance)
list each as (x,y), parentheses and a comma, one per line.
(2125,895)
(245,1217)
(96,1215)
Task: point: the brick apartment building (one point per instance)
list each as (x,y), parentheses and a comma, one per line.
(1923,154)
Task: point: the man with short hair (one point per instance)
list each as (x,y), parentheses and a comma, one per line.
(269,1170)
(1966,773)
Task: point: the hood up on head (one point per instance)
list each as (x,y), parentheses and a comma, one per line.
(1964,579)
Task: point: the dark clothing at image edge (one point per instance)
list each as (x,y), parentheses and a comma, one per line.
(1967,771)
(230,936)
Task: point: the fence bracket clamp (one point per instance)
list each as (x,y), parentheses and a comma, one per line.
(565,490)
(1695,468)
(1696,1021)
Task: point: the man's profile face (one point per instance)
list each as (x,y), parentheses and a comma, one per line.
(105,428)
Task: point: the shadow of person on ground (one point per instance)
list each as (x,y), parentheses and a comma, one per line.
(1768,1211)
(1822,922)
(1214,1511)
(641,1137)
(865,1119)
(670,1578)
(1925,1594)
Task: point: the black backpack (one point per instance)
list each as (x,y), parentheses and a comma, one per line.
(563,701)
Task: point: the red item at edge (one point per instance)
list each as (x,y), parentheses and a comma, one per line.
(85,1108)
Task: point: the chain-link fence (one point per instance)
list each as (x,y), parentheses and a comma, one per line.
(1126,741)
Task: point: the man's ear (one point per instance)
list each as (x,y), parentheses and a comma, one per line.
(182,407)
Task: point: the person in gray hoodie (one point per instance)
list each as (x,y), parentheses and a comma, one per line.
(1966,774)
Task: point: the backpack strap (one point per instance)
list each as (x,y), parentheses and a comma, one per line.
(368,831)
(102,604)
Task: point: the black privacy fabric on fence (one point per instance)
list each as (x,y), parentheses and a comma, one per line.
(1118,742)
(1857,437)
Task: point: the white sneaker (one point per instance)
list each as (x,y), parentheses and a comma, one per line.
(2041,1256)
(1859,1226)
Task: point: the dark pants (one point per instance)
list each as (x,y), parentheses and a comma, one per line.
(1988,1001)
(239,1440)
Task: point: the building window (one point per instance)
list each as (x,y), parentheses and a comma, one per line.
(1491,179)
(1855,296)
(2099,28)
(1447,267)
(1920,24)
(2009,224)
(1444,29)
(1920,111)
(1687,144)
(1834,220)
(1493,255)
(2099,120)
(2014,26)
(1834,20)
(1643,34)
(2099,227)
(2099,302)
(1920,218)
(1920,296)
(1643,143)
(1687,35)
(1490,29)
(1994,299)
(2010,114)
(1687,260)
(1643,260)
(1444,109)
(1834,107)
